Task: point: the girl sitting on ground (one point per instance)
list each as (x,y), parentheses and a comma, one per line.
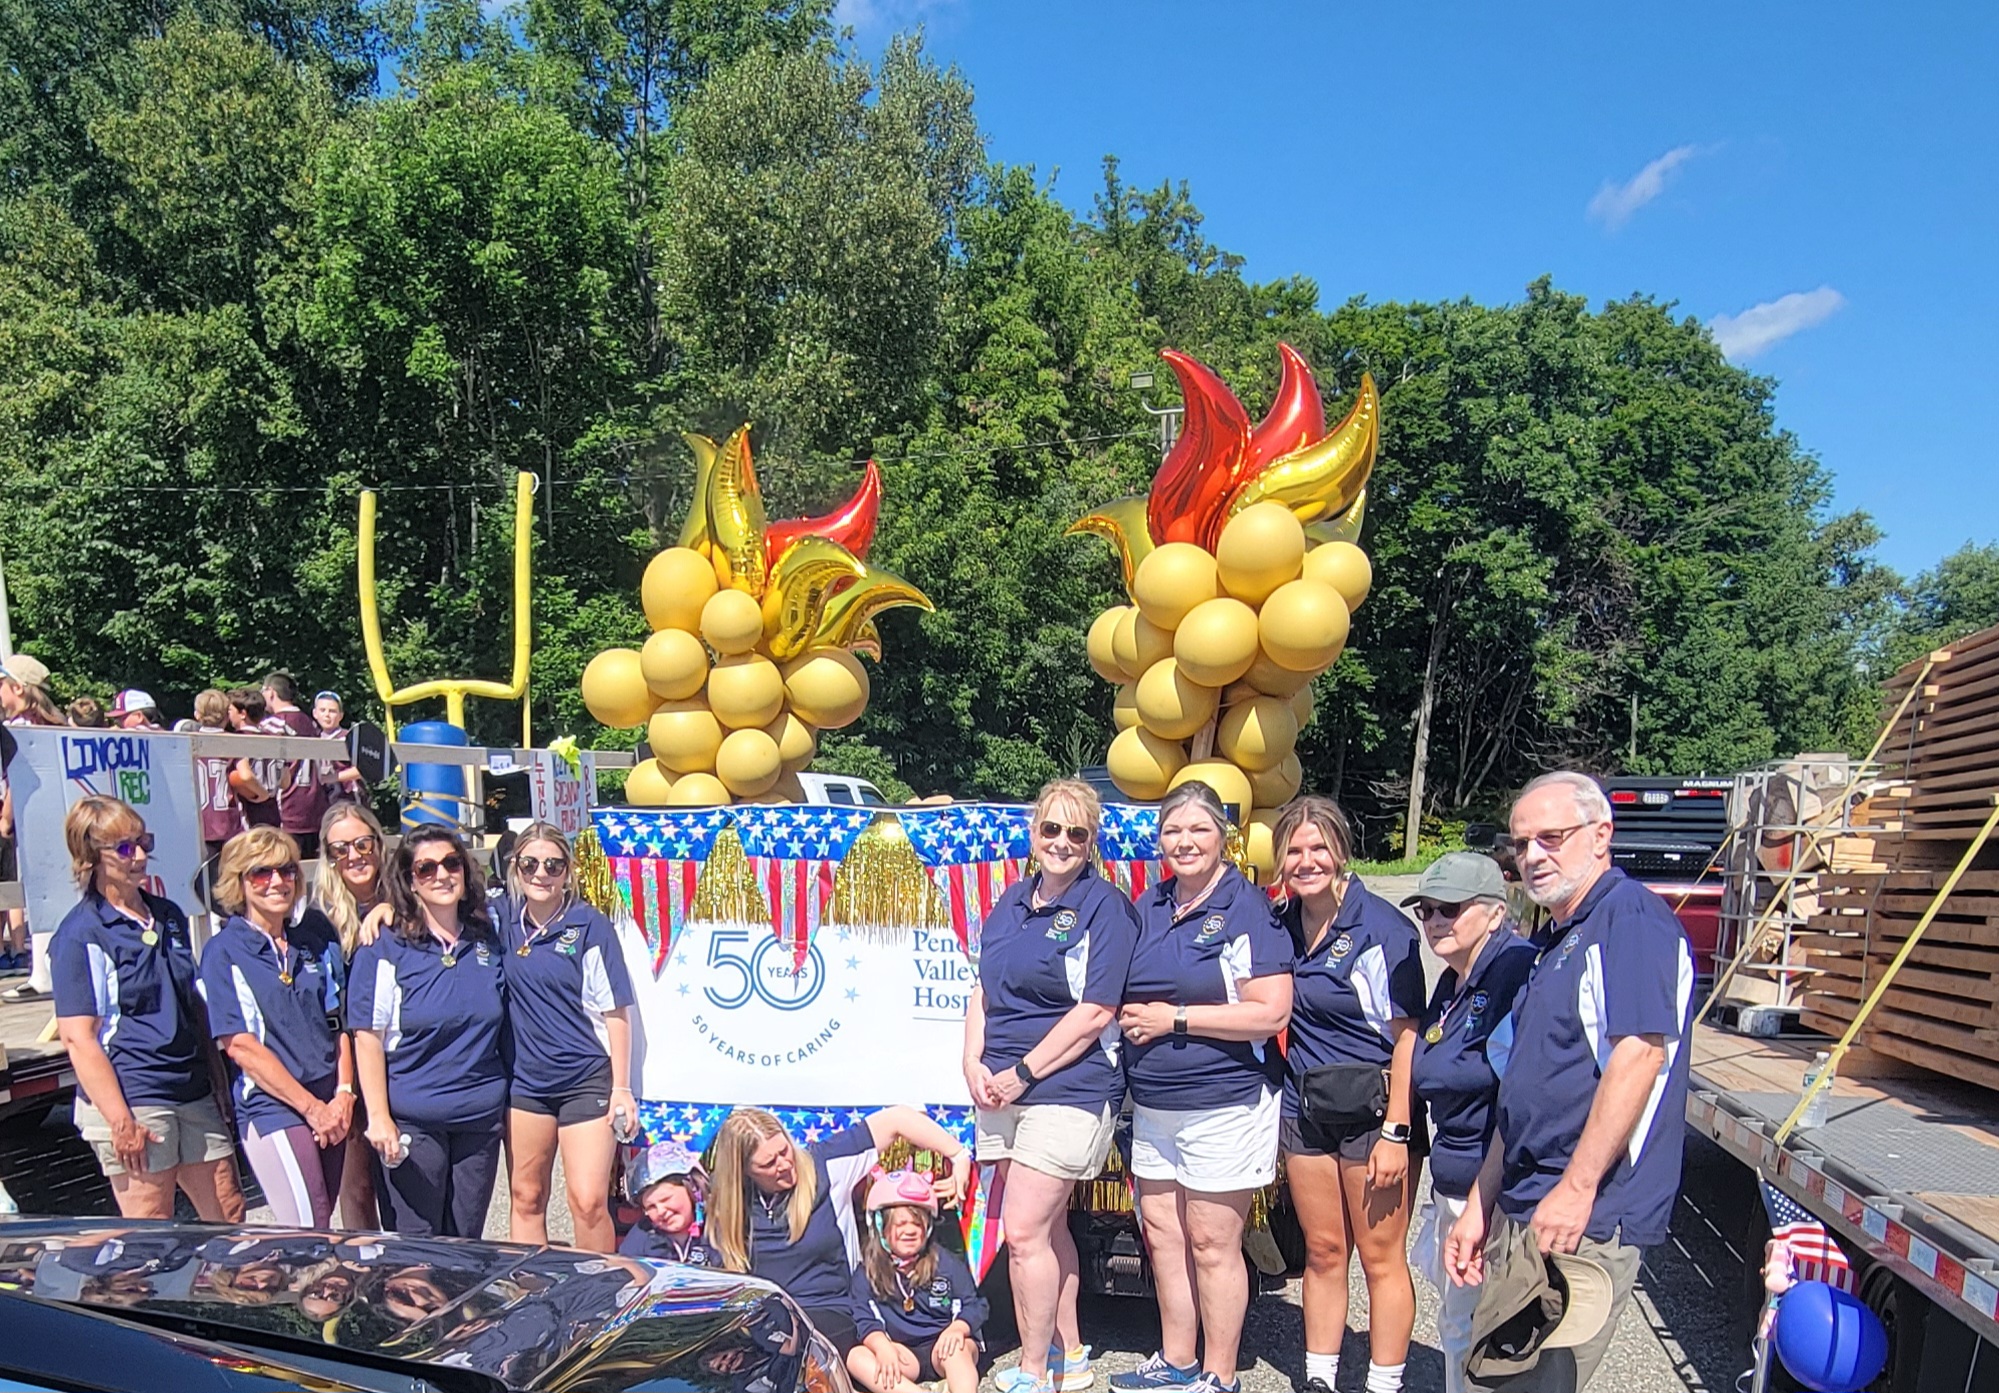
(915,1304)
(668,1184)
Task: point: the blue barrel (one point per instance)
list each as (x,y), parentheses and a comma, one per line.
(433,793)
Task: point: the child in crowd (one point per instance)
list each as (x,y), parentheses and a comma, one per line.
(667,1183)
(915,1304)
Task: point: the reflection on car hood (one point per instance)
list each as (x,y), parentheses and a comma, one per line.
(532,1318)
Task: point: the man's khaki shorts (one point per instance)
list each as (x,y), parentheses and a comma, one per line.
(1053,1138)
(192,1133)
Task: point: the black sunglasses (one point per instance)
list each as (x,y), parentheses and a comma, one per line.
(1439,910)
(549,865)
(454,864)
(130,847)
(365,845)
(1078,836)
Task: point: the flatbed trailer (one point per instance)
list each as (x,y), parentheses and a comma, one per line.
(1905,1174)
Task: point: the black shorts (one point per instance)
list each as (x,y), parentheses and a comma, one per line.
(587,1102)
(837,1325)
(9,862)
(1298,1136)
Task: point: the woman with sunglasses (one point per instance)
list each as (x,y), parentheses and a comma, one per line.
(1041,1064)
(128,1013)
(1460,901)
(568,1002)
(347,890)
(427,1005)
(1349,1123)
(274,985)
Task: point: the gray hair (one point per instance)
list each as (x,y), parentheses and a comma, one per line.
(1196,794)
(1591,805)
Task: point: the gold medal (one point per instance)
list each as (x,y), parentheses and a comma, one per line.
(149,938)
(450,958)
(1435,1033)
(285,977)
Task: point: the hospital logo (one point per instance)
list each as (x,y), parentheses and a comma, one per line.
(1569,945)
(1211,928)
(1342,946)
(1065,922)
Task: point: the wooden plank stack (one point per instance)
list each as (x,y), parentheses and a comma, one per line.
(1941,771)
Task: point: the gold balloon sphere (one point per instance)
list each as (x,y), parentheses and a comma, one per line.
(1216,643)
(748,762)
(732,621)
(1260,844)
(796,741)
(1262,547)
(1124,711)
(1171,704)
(1275,787)
(684,736)
(1271,680)
(745,690)
(1230,784)
(1141,763)
(1172,580)
(828,687)
(674,663)
(1098,645)
(615,691)
(677,584)
(1256,735)
(648,785)
(1303,625)
(1137,643)
(698,791)
(1343,566)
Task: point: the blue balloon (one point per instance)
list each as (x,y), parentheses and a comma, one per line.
(1828,1339)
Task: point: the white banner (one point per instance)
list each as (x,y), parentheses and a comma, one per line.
(153,771)
(559,797)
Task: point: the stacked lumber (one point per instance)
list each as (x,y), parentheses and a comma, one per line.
(1944,751)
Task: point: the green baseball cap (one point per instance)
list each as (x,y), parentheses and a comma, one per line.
(1457,876)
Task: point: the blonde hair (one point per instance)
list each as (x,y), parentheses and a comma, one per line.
(1322,813)
(1074,792)
(258,846)
(211,708)
(539,832)
(729,1192)
(88,820)
(330,893)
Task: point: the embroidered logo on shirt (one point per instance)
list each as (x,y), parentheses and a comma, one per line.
(567,943)
(1064,922)
(1342,946)
(485,956)
(1569,945)
(1211,928)
(1479,1001)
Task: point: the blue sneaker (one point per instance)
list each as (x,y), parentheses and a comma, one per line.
(1155,1372)
(1070,1375)
(1208,1383)
(1018,1380)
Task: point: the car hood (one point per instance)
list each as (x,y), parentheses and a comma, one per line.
(530,1318)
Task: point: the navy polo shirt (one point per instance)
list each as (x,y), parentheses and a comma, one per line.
(442,1027)
(642,1240)
(561,979)
(815,1271)
(1365,971)
(914,1315)
(1620,967)
(1456,1076)
(141,993)
(1036,965)
(244,984)
(1198,959)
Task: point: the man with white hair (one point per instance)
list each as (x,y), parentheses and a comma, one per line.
(1593,1086)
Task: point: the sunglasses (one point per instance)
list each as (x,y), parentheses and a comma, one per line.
(546,865)
(454,864)
(366,845)
(1078,836)
(131,848)
(261,877)
(1441,911)
(1550,841)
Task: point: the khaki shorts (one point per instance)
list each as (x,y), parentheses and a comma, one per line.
(192,1133)
(1053,1138)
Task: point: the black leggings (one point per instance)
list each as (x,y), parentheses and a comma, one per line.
(444,1185)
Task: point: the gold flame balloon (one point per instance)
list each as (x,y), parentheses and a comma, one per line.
(1323,479)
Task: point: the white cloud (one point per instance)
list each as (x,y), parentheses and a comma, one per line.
(1615,203)
(1760,326)
(875,16)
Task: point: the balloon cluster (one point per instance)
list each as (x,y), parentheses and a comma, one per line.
(1243,573)
(756,628)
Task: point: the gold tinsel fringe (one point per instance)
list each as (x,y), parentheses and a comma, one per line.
(728,892)
(594,881)
(881,890)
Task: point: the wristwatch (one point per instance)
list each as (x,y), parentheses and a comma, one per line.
(1024,1074)
(1395,1132)
(1179,1020)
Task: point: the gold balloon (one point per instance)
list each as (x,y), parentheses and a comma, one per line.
(732,622)
(1171,704)
(1260,549)
(677,583)
(698,791)
(1171,581)
(854,608)
(800,585)
(1256,735)
(1216,642)
(1230,784)
(1122,524)
(694,529)
(1124,711)
(796,741)
(615,691)
(745,690)
(648,785)
(1141,763)
(1303,625)
(1343,566)
(1271,680)
(684,736)
(866,642)
(1344,528)
(1322,480)
(674,663)
(1276,787)
(1138,643)
(1098,644)
(1260,844)
(828,687)
(736,517)
(748,762)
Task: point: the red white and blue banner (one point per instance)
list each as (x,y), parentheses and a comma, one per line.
(971,852)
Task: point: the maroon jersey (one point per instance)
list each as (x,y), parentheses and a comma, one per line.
(221,811)
(266,772)
(301,796)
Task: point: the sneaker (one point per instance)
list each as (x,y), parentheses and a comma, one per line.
(1070,1375)
(1155,1372)
(1208,1383)
(1311,1385)
(27,991)
(1018,1380)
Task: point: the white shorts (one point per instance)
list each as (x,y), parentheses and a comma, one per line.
(1213,1150)
(1069,1143)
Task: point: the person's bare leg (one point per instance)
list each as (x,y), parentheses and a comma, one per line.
(144,1194)
(1068,1328)
(588,1153)
(1214,1235)
(1032,1206)
(213,1188)
(1162,1216)
(1320,1204)
(1380,1223)
(530,1168)
(358,1207)
(961,1370)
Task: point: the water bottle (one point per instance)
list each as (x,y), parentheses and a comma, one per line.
(402,1152)
(1814,1114)
(624,1126)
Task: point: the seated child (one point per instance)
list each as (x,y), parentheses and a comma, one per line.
(668,1185)
(916,1306)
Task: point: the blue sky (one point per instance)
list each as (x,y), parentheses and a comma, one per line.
(1818,181)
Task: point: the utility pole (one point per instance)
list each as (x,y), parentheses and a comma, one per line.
(1169,416)
(1634,731)
(6,625)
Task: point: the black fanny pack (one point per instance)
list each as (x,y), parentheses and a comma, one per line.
(1343,1099)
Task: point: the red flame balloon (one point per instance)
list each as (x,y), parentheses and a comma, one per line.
(1297,418)
(852,524)
(1199,474)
